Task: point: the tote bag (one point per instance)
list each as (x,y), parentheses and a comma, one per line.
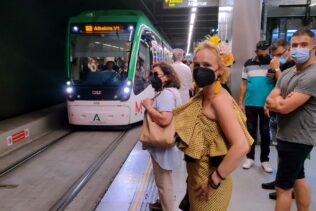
(155,135)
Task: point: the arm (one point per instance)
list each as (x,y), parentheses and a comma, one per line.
(270,101)
(234,134)
(288,104)
(275,64)
(161,118)
(242,93)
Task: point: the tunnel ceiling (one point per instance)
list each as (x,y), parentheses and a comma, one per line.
(172,23)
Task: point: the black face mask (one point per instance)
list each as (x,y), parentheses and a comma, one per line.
(263,58)
(203,76)
(156,83)
(260,57)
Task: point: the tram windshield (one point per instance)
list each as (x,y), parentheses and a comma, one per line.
(99,53)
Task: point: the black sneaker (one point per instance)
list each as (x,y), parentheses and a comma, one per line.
(155,206)
(273,195)
(268,185)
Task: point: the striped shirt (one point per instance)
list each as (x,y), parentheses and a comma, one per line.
(258,85)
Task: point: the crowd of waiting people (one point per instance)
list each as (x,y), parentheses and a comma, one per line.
(214,132)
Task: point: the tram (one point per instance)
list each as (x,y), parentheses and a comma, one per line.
(109,55)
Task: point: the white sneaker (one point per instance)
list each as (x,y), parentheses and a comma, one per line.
(266,167)
(248,163)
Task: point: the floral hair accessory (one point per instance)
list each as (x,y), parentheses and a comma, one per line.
(226,56)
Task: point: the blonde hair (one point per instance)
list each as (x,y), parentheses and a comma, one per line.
(213,48)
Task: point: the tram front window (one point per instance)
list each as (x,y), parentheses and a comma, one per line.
(100,57)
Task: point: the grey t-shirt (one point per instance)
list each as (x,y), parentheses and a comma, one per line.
(299,126)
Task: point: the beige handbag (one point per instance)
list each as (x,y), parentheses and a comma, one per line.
(155,135)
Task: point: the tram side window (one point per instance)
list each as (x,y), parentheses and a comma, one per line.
(141,80)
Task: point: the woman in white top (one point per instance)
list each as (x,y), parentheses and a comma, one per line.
(165,81)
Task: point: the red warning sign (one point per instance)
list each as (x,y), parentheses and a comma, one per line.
(19,136)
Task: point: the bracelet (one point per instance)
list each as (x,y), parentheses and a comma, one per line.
(211,182)
(219,175)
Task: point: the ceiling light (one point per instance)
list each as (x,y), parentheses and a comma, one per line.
(191,28)
(192,19)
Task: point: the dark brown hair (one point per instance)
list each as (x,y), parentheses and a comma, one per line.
(173,80)
(278,43)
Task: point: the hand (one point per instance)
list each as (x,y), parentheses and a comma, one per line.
(147,102)
(203,191)
(242,107)
(266,110)
(271,75)
(270,103)
(274,63)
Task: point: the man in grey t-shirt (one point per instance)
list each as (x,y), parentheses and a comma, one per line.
(294,100)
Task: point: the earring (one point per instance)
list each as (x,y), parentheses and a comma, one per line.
(217,87)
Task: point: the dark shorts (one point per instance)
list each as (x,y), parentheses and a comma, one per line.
(291,163)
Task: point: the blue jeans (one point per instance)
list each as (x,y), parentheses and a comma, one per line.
(273,128)
(253,113)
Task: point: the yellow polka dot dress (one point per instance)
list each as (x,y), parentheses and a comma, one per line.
(202,139)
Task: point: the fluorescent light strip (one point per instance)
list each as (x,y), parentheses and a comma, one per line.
(191,26)
(192,18)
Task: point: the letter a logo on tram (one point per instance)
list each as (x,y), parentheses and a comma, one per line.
(96,118)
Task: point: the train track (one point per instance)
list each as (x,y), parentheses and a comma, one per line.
(71,193)
(47,169)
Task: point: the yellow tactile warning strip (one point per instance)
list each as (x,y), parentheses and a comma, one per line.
(141,188)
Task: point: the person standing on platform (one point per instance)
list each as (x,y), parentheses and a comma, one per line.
(281,61)
(254,89)
(166,83)
(184,74)
(212,133)
(294,100)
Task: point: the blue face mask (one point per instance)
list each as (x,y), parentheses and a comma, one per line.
(300,55)
(282,60)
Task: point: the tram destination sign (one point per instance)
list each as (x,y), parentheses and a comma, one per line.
(173,4)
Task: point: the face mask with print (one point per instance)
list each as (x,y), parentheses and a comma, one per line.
(203,76)
(300,55)
(156,82)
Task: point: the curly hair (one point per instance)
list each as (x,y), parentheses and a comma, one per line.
(173,80)
(213,48)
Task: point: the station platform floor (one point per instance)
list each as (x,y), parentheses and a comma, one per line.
(134,187)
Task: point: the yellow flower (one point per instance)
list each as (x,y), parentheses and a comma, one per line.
(227,59)
(214,39)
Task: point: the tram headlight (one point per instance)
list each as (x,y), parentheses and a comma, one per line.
(75,29)
(126,90)
(69,90)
